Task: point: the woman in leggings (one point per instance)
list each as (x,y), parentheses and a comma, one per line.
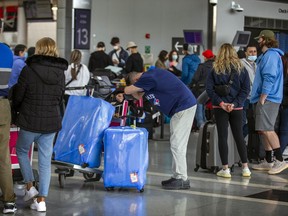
(228,103)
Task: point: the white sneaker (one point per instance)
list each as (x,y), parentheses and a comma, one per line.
(285,153)
(30,194)
(246,172)
(224,173)
(40,207)
(263,166)
(278,167)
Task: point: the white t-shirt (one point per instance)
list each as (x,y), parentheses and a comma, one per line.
(82,80)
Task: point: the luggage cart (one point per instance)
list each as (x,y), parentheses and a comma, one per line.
(16,172)
(67,169)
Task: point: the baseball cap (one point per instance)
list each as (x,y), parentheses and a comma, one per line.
(266,34)
(208,54)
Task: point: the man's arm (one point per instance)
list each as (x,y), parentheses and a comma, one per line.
(135,91)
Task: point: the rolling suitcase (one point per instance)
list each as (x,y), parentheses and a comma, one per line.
(125,157)
(207,153)
(80,139)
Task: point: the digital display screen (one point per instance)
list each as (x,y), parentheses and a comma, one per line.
(194,37)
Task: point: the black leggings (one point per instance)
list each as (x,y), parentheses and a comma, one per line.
(235,119)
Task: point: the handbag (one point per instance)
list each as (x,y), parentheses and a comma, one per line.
(224,90)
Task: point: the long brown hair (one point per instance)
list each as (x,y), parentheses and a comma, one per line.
(227,59)
(75,60)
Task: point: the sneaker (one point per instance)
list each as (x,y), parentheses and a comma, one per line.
(224,173)
(246,172)
(176,184)
(40,207)
(9,207)
(167,181)
(278,167)
(30,194)
(263,166)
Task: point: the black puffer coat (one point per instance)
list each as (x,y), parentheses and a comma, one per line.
(38,94)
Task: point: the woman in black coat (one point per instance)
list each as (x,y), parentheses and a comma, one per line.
(37,96)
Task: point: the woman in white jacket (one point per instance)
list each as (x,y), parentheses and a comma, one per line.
(76,75)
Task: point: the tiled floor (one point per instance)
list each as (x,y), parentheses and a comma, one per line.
(262,194)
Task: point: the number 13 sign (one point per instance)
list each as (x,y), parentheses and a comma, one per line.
(82,29)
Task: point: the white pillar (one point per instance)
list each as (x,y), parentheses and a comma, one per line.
(21,27)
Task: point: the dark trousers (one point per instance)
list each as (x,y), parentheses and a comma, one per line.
(283,128)
(235,119)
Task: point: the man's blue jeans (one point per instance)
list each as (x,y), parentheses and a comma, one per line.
(45,148)
(200,115)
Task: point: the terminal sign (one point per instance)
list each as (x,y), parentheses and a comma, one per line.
(82,29)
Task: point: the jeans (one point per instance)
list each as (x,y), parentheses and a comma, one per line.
(200,115)
(6,181)
(45,148)
(283,128)
(180,129)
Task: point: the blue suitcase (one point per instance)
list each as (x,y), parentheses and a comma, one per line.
(125,157)
(80,140)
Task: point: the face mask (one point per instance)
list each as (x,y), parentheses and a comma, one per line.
(174,57)
(252,58)
(115,47)
(25,55)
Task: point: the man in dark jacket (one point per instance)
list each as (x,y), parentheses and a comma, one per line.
(118,55)
(134,61)
(99,59)
(198,84)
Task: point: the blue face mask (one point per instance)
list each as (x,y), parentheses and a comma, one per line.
(252,58)
(174,57)
(25,55)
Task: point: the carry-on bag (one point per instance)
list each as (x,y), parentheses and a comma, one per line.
(80,139)
(125,157)
(207,153)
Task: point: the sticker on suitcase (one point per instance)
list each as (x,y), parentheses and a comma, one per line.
(81,149)
(134,177)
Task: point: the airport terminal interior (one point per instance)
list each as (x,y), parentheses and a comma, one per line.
(261,194)
(209,195)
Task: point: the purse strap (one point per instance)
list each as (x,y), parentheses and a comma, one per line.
(231,78)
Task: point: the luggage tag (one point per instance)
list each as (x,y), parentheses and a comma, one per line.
(134,177)
(81,149)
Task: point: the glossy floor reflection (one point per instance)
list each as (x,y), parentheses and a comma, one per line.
(208,195)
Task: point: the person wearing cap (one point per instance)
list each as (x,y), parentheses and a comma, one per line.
(99,59)
(198,84)
(134,61)
(267,93)
(190,64)
(118,55)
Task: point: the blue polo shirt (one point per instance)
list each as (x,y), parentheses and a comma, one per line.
(164,90)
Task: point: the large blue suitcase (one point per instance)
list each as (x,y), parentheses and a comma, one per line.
(80,140)
(125,157)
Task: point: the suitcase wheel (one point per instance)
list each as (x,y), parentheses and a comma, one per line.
(61,179)
(142,190)
(88,175)
(197,167)
(109,188)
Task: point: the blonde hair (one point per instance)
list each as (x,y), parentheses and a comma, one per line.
(46,46)
(227,59)
(75,59)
